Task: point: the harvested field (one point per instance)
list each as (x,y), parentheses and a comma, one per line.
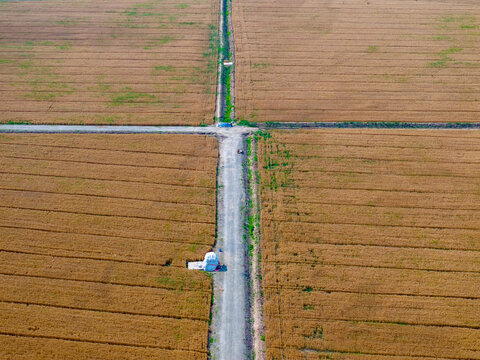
(370,244)
(95,231)
(108,62)
(352,60)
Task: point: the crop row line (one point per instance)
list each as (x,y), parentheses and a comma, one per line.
(374,81)
(99,342)
(371,145)
(80,92)
(108,215)
(322,66)
(348,9)
(108,180)
(164,240)
(383,322)
(321,148)
(112,282)
(122,261)
(125,84)
(352,173)
(109,164)
(332,264)
(103,46)
(78,29)
(379,225)
(311,75)
(63,249)
(365,30)
(353,244)
(313,202)
(61,66)
(353,92)
(182,113)
(324,110)
(56,306)
(95,101)
(174,203)
(176,154)
(155,55)
(305,186)
(102,13)
(388,133)
(328,291)
(384,354)
(351,99)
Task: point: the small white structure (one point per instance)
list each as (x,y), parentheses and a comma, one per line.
(227,63)
(210,263)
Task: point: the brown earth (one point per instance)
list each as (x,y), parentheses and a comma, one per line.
(370,244)
(95,232)
(357,60)
(121,62)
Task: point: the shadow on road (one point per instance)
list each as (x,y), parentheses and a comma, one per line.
(222,268)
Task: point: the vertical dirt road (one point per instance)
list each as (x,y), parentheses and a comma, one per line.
(230,328)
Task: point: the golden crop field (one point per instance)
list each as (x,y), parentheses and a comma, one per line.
(370,244)
(95,232)
(108,62)
(357,60)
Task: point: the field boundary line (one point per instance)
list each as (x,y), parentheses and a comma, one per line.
(379,225)
(310,202)
(386,190)
(331,351)
(104,282)
(106,215)
(146,346)
(107,196)
(381,245)
(385,174)
(110,149)
(367,125)
(398,323)
(103,180)
(165,240)
(149,263)
(327,264)
(28,303)
(99,163)
(290,287)
(257,313)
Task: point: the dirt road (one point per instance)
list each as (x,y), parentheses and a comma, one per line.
(230,317)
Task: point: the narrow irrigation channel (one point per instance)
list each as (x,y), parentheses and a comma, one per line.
(254,250)
(225,109)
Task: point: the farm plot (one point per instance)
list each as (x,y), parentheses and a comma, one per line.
(375,60)
(95,232)
(370,244)
(108,62)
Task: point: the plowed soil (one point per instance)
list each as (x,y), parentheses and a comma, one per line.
(357,60)
(95,232)
(370,244)
(104,62)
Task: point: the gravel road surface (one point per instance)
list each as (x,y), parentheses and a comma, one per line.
(230,327)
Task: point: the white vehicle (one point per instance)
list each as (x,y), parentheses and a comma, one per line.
(210,263)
